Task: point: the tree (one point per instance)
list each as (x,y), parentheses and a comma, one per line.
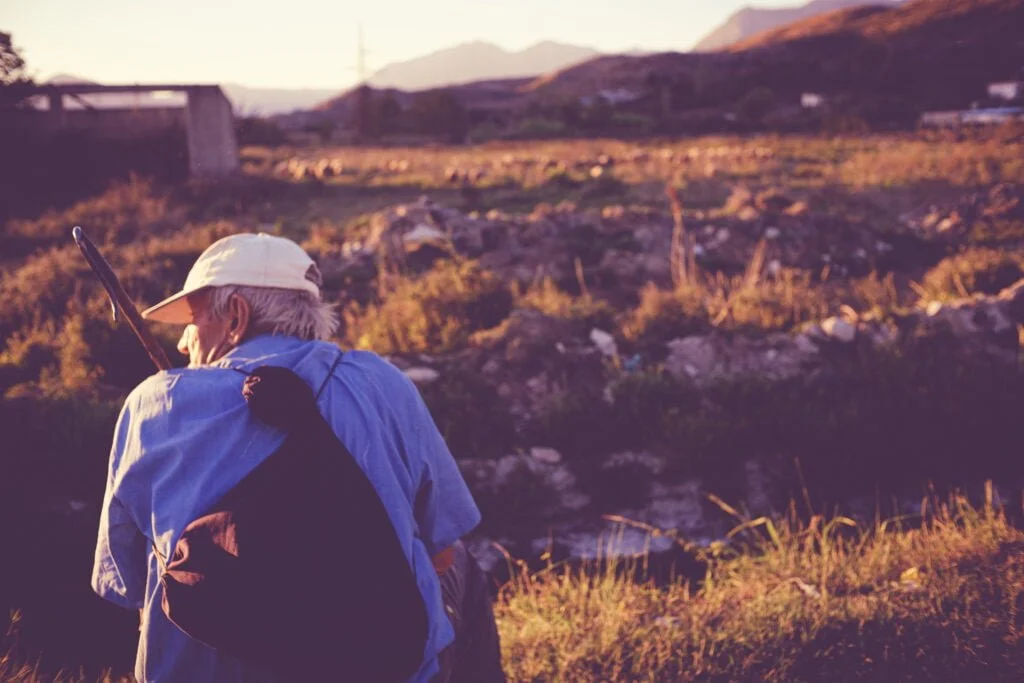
(15,84)
(755,105)
(439,112)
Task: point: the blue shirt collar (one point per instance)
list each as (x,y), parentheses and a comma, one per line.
(257,348)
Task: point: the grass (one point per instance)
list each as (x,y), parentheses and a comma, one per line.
(827,599)
(912,415)
(933,596)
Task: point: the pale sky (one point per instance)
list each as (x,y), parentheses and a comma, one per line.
(312,43)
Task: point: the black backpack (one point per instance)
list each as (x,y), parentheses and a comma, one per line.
(298,568)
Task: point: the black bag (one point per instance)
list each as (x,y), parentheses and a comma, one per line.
(298,568)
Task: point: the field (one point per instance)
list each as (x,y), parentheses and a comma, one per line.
(836,303)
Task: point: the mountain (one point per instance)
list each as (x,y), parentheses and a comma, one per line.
(478,61)
(931,53)
(750,21)
(271,101)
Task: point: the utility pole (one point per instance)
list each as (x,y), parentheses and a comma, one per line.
(361,56)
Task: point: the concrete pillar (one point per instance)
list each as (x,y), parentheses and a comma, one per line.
(56,104)
(212,146)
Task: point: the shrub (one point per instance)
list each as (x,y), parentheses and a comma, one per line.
(663,315)
(972,271)
(432,313)
(545,296)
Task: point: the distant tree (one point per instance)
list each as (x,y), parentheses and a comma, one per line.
(439,112)
(389,113)
(364,119)
(598,114)
(755,105)
(14,81)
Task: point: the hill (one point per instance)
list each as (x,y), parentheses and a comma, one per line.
(478,61)
(270,101)
(750,21)
(935,53)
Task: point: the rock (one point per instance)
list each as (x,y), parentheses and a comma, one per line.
(643,460)
(840,330)
(423,233)
(604,342)
(546,455)
(690,357)
(422,375)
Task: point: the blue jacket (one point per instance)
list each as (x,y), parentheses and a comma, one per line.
(185,437)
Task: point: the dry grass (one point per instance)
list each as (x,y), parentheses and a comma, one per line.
(824,600)
(972,271)
(937,596)
(433,313)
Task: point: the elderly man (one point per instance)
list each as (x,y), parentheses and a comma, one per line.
(184,438)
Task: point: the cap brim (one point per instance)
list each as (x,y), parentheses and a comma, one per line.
(173,309)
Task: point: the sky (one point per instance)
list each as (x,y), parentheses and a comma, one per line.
(314,43)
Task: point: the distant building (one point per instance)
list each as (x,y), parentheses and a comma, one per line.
(1006,90)
(125,112)
(996,115)
(976,117)
(811,100)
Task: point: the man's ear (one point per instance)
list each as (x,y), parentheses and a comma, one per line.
(240,313)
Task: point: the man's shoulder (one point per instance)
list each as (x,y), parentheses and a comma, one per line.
(178,386)
(379,369)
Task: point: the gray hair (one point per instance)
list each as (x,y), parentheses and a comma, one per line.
(290,312)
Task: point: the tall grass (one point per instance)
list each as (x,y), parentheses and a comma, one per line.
(938,597)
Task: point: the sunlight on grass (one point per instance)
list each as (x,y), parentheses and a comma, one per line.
(825,599)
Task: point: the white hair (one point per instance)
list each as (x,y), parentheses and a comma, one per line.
(290,312)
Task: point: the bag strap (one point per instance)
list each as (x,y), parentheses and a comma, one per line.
(160,558)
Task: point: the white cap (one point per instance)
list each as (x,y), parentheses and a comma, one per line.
(252,260)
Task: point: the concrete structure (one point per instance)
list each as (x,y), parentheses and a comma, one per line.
(1007,90)
(207,119)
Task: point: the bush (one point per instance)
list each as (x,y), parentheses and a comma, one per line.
(972,271)
(545,296)
(664,315)
(433,313)
(470,415)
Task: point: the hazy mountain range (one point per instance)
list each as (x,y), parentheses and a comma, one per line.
(750,21)
(478,61)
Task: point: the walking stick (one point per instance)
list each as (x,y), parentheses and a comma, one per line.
(119,301)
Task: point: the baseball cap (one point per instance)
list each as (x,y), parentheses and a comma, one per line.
(247,259)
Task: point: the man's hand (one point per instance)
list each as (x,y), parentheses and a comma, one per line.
(443,560)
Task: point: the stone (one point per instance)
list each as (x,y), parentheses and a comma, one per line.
(642,460)
(422,375)
(546,455)
(423,233)
(690,357)
(604,342)
(839,329)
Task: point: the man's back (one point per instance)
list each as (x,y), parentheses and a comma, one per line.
(185,438)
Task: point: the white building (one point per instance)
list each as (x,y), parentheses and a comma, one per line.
(1006,90)
(811,100)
